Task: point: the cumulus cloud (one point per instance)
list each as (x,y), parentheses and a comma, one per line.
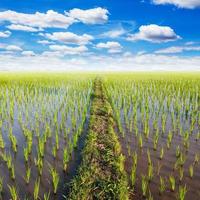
(37,20)
(90,16)
(70,38)
(5,34)
(44,42)
(18,27)
(113,33)
(112,47)
(177,49)
(33,22)
(13,48)
(28,53)
(67,50)
(190,4)
(154,33)
(10,47)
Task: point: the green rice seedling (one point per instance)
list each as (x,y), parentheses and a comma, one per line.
(39,163)
(55,179)
(26,154)
(150,172)
(181,174)
(36,189)
(144,185)
(13,140)
(182,192)
(140,141)
(9,161)
(172,182)
(162,186)
(191,171)
(41,147)
(186,138)
(75,140)
(54,151)
(57,141)
(65,133)
(13,192)
(180,161)
(29,143)
(121,162)
(47,196)
(150,197)
(2,144)
(133,176)
(135,159)
(44,138)
(3,156)
(178,151)
(1,185)
(129,150)
(28,175)
(161,153)
(187,145)
(149,157)
(65,159)
(159,166)
(155,141)
(48,131)
(12,172)
(164,118)
(169,139)
(196,158)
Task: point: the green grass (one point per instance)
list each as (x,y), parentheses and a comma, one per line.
(101,174)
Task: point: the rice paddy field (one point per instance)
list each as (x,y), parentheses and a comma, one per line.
(100,136)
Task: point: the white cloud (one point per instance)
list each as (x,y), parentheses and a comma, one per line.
(13,48)
(28,53)
(18,27)
(113,47)
(113,33)
(44,42)
(5,34)
(38,20)
(154,33)
(67,50)
(177,49)
(70,38)
(52,54)
(90,16)
(191,4)
(145,62)
(10,47)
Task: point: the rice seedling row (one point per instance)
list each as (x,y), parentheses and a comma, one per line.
(41,121)
(116,137)
(158,122)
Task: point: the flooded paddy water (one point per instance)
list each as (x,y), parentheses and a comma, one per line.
(51,122)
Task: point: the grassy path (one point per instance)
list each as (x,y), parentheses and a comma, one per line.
(101,174)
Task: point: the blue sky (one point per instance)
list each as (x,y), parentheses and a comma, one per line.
(99,35)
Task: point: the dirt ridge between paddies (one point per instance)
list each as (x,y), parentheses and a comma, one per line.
(101,174)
